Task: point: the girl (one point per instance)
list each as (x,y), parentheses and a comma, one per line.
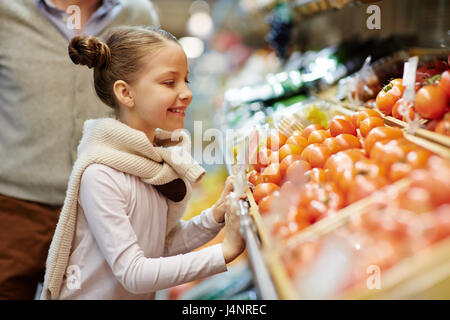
(119,235)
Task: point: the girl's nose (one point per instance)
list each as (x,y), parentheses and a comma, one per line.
(186,94)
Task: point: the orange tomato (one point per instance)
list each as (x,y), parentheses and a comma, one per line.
(359,116)
(348,141)
(254,177)
(333,145)
(312,127)
(296,168)
(316,154)
(418,158)
(289,149)
(364,186)
(317,175)
(379,134)
(340,125)
(274,157)
(443,126)
(265,204)
(370,123)
(264,189)
(276,140)
(370,168)
(262,159)
(387,153)
(272,174)
(389,95)
(399,170)
(318,136)
(298,139)
(287,161)
(431,102)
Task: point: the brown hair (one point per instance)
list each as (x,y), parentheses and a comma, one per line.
(119,57)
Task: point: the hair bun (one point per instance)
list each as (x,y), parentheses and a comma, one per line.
(89,51)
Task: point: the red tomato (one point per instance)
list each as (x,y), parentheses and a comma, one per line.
(297,169)
(379,134)
(289,149)
(264,189)
(444,83)
(318,136)
(370,123)
(312,127)
(431,102)
(276,140)
(316,154)
(387,153)
(339,125)
(298,139)
(287,161)
(389,95)
(272,174)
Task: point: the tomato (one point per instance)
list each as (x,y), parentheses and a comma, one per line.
(348,141)
(359,116)
(436,182)
(444,83)
(387,153)
(317,175)
(318,136)
(399,170)
(265,204)
(262,160)
(264,189)
(401,104)
(272,174)
(443,126)
(364,186)
(297,170)
(287,161)
(379,134)
(289,149)
(276,140)
(316,154)
(418,158)
(389,95)
(370,123)
(369,168)
(254,177)
(333,145)
(429,70)
(312,127)
(298,139)
(431,102)
(339,125)
(274,157)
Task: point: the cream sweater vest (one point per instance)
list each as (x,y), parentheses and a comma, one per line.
(112,143)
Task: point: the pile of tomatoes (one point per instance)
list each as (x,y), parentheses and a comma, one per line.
(432,98)
(399,224)
(331,167)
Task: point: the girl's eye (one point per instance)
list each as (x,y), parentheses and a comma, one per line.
(187,81)
(169,83)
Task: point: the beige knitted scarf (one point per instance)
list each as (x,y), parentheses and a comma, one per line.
(166,164)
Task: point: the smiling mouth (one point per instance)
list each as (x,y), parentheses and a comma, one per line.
(178,111)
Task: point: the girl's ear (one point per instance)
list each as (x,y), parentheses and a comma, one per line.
(123,93)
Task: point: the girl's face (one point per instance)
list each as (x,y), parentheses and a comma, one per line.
(161,93)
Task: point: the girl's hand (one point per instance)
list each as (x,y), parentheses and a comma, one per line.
(219,207)
(233,244)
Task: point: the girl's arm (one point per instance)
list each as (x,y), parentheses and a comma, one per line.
(202,228)
(104,205)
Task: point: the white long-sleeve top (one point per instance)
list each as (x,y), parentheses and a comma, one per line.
(119,252)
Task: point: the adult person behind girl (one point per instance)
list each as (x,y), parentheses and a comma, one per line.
(44,101)
(119,235)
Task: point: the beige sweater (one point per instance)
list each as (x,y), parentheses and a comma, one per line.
(114,144)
